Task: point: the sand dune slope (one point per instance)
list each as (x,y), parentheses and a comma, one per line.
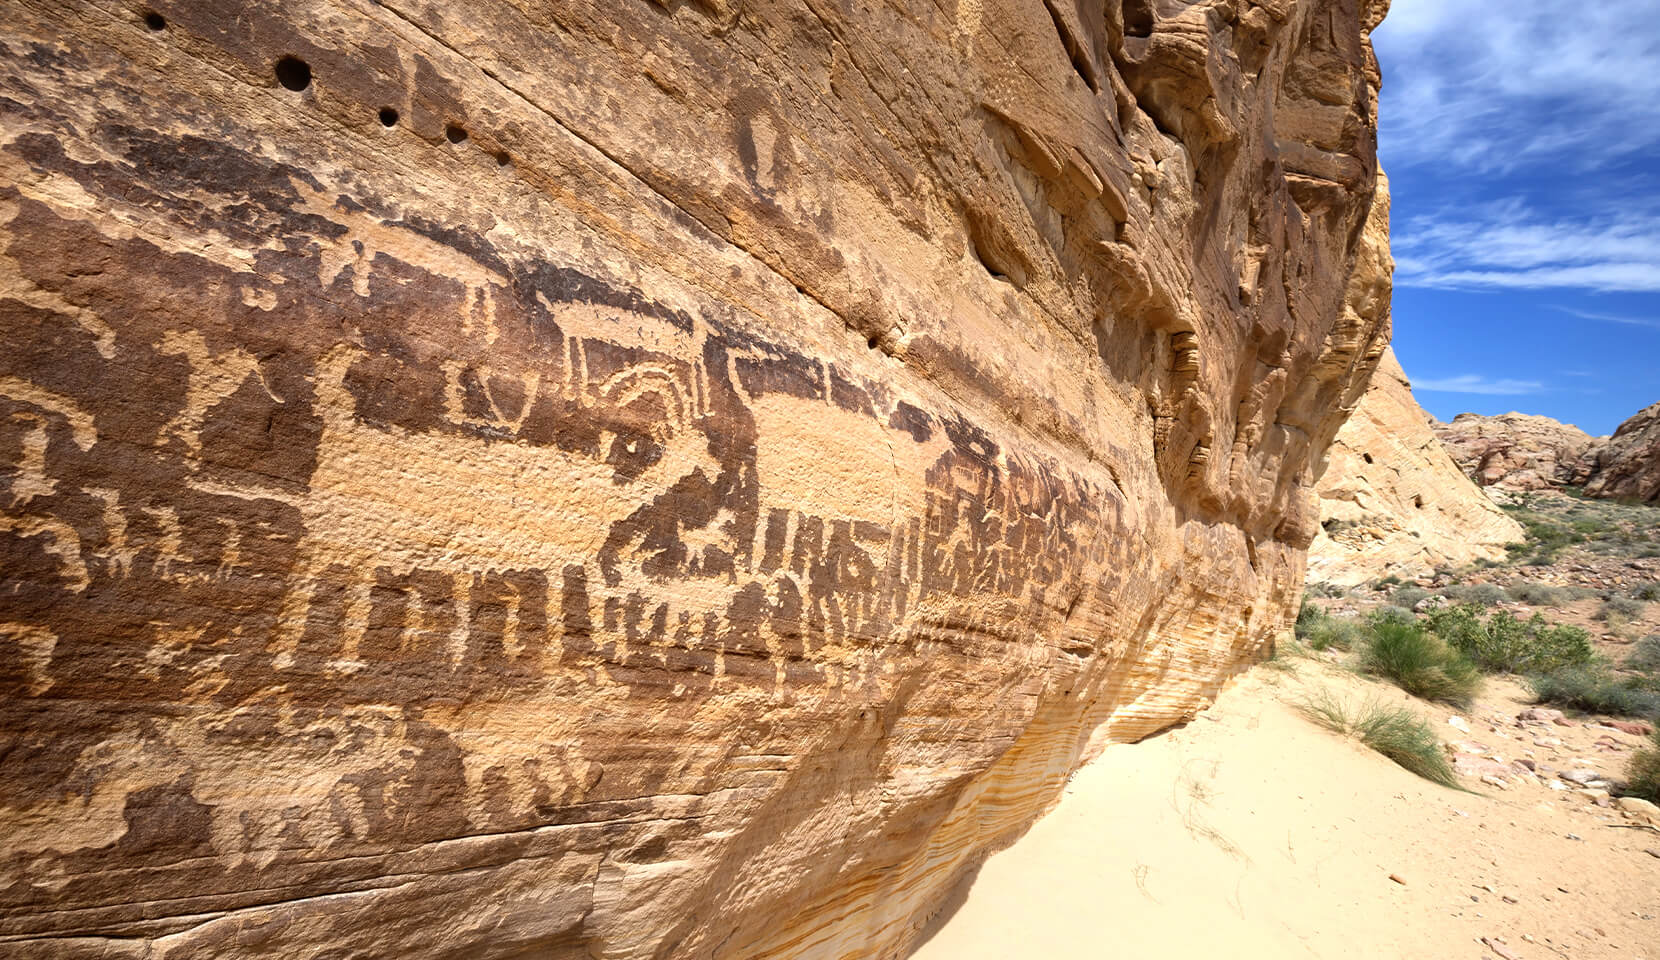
(1253,833)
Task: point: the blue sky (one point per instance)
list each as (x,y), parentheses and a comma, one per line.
(1522,141)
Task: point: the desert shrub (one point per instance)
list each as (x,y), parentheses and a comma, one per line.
(1482,594)
(1620,609)
(1645,656)
(1320,630)
(1545,538)
(1594,689)
(1395,732)
(1389,581)
(1504,644)
(1537,594)
(1646,591)
(1643,774)
(1408,595)
(1325,590)
(1418,661)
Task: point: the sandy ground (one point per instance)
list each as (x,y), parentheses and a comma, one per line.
(1252,832)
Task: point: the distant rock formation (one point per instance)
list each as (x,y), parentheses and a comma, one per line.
(1392,501)
(1516,451)
(622,479)
(1627,464)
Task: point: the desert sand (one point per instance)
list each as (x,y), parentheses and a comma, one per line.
(1252,832)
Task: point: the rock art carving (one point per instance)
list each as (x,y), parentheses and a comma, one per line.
(638,479)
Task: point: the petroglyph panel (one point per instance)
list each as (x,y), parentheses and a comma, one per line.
(599,480)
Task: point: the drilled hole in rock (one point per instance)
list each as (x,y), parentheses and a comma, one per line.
(155,21)
(871,343)
(388,117)
(293,73)
(455,133)
(502,159)
(1366,457)
(1138,18)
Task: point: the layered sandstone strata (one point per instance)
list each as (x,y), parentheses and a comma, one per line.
(1516,451)
(1627,465)
(1393,502)
(628,479)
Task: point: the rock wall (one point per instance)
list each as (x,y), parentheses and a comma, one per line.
(638,479)
(1393,502)
(1626,465)
(1517,451)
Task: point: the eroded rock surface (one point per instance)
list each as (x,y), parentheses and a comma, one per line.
(638,480)
(1393,502)
(1627,465)
(1517,451)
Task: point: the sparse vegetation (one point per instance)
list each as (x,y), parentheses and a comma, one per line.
(1322,631)
(1646,591)
(1504,644)
(1408,596)
(1643,774)
(1480,594)
(1645,656)
(1418,661)
(1395,732)
(1620,609)
(1594,688)
(1538,594)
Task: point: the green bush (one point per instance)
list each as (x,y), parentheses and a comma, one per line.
(1482,594)
(1643,775)
(1645,656)
(1504,644)
(1418,661)
(1408,596)
(1620,608)
(1395,732)
(1321,631)
(1538,594)
(1594,689)
(1646,591)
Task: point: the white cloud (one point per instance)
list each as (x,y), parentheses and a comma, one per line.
(1652,323)
(1505,244)
(1476,383)
(1495,86)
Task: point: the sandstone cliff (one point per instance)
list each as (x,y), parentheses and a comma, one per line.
(638,479)
(1517,451)
(1392,501)
(1626,465)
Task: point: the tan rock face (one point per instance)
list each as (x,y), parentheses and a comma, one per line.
(1517,451)
(1627,465)
(635,480)
(1392,501)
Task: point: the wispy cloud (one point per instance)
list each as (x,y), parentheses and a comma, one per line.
(1653,323)
(1476,383)
(1507,244)
(1496,86)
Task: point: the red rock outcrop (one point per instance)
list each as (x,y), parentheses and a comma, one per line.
(638,479)
(1517,451)
(1393,502)
(1627,464)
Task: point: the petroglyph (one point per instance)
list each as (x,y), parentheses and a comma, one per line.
(696,513)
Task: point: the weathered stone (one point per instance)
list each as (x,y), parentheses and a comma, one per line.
(638,479)
(1627,465)
(1516,451)
(1393,502)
